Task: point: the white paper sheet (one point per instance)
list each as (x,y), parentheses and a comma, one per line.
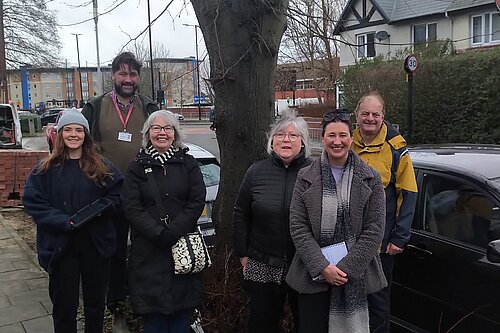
(333,253)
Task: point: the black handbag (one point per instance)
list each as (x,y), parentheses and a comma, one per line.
(190,253)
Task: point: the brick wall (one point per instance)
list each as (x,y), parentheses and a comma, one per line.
(15,167)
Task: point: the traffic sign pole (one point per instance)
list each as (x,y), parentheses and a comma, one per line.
(410,65)
(410,107)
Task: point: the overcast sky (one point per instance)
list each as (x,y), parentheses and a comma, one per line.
(129,18)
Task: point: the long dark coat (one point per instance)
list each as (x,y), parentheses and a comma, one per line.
(154,288)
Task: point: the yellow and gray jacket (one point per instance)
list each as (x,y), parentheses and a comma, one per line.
(388,154)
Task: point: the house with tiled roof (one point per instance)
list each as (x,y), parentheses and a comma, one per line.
(368,28)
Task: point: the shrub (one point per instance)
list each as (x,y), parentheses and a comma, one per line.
(454,96)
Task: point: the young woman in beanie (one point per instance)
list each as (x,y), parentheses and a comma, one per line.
(57,195)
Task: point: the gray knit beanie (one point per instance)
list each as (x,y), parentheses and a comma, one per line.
(72,116)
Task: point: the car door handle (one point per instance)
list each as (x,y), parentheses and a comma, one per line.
(420,253)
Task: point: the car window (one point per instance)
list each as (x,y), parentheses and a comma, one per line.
(459,211)
(6,114)
(211,174)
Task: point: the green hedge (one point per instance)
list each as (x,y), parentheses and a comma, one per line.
(455,98)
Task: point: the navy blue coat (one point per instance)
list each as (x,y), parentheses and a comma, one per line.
(52,197)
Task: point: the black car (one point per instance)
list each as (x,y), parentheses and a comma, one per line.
(445,280)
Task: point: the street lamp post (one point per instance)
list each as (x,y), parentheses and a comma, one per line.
(197,67)
(151,54)
(79,69)
(100,82)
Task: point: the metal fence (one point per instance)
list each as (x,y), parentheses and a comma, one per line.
(315,138)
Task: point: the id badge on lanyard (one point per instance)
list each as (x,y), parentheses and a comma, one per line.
(123,135)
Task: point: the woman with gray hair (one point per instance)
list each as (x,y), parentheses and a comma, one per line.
(261,223)
(165,300)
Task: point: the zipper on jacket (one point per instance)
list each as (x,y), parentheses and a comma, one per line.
(284,216)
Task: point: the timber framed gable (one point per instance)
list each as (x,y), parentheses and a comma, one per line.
(360,14)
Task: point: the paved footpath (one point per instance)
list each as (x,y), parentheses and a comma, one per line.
(25,306)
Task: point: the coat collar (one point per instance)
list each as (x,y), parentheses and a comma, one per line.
(297,162)
(361,169)
(146,159)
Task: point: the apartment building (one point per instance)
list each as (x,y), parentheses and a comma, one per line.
(31,88)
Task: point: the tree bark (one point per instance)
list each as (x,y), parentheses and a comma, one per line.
(242,39)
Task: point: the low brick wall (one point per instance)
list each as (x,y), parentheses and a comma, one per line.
(15,167)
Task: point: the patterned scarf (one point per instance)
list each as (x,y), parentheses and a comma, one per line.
(162,157)
(348,304)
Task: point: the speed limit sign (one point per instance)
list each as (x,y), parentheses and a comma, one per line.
(411,63)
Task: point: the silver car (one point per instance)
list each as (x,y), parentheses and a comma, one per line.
(210,169)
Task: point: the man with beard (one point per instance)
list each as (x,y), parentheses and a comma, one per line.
(116,119)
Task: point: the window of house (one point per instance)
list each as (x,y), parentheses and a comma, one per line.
(366,45)
(58,94)
(424,33)
(58,85)
(47,85)
(85,85)
(485,28)
(47,95)
(308,84)
(84,76)
(85,95)
(458,210)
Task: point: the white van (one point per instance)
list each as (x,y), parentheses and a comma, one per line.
(10,127)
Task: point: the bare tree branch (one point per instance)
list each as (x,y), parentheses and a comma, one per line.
(30,34)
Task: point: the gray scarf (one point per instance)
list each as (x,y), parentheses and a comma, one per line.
(348,304)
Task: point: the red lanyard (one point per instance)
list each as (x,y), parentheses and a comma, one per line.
(124,122)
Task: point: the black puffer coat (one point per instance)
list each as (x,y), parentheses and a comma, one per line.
(154,288)
(261,214)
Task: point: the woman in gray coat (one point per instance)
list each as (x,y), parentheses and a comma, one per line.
(336,222)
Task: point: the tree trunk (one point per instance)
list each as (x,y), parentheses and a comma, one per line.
(242,39)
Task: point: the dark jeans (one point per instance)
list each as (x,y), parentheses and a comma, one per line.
(178,322)
(80,260)
(379,303)
(267,301)
(314,310)
(117,278)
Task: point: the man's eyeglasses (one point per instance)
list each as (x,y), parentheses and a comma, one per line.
(158,128)
(291,136)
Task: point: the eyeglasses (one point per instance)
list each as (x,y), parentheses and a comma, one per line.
(291,136)
(366,114)
(158,128)
(337,115)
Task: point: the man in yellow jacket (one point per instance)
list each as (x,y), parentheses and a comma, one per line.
(381,146)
